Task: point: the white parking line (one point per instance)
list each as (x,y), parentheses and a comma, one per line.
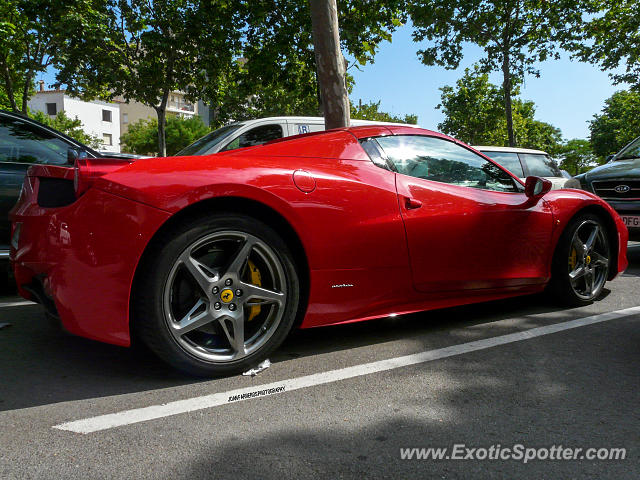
(17,304)
(128,417)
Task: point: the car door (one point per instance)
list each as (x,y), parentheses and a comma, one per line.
(469,225)
(23,144)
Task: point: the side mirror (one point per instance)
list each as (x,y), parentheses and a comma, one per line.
(74,154)
(610,157)
(536,187)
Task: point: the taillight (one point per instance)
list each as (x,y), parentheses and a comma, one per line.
(86,170)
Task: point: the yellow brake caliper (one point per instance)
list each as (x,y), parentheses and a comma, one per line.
(255,279)
(573,259)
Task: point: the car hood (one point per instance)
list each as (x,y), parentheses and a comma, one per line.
(616,169)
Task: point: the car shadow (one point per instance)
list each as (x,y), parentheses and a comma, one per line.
(40,364)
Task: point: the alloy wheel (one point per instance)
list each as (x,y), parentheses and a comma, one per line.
(225,296)
(588,262)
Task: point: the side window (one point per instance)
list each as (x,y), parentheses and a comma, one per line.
(443,161)
(541,165)
(256,136)
(24,143)
(508,160)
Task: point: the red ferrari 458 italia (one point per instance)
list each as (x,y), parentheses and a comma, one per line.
(212,260)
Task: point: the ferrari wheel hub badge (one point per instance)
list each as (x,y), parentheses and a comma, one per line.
(226,295)
(587,260)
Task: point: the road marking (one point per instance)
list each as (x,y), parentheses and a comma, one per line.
(17,304)
(128,417)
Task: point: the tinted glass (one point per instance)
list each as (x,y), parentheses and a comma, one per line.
(508,160)
(21,142)
(540,165)
(256,136)
(631,151)
(210,141)
(443,161)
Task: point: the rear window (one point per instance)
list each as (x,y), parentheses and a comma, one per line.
(541,165)
(508,160)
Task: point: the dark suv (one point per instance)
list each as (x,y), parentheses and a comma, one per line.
(618,182)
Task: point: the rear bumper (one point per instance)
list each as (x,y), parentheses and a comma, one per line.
(79,260)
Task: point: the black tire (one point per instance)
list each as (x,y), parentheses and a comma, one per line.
(567,261)
(163,277)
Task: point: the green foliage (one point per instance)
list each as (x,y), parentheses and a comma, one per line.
(611,38)
(31,35)
(514,34)
(617,125)
(473,113)
(576,156)
(277,71)
(71,127)
(371,111)
(145,49)
(142,136)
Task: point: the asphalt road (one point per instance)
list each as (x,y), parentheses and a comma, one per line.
(575,388)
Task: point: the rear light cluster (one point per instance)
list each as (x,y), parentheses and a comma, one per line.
(87,170)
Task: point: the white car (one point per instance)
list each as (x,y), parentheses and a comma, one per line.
(261,130)
(524,162)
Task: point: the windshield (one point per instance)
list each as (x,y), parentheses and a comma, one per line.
(630,151)
(210,141)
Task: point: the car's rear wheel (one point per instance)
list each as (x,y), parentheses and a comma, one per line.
(217,295)
(581,261)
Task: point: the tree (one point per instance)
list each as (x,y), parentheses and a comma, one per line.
(576,156)
(371,111)
(142,136)
(474,114)
(617,125)
(279,54)
(514,34)
(71,127)
(146,49)
(330,63)
(31,36)
(611,38)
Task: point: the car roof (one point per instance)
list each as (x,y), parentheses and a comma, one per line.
(57,133)
(486,148)
(317,120)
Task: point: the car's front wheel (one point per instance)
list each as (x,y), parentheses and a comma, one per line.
(217,295)
(581,261)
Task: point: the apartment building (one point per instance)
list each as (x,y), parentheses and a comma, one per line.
(98,118)
(132,111)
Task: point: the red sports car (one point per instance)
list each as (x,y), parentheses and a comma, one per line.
(212,260)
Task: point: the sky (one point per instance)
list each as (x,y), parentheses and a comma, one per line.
(567,94)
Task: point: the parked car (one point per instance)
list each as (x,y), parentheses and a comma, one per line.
(23,143)
(524,162)
(618,182)
(259,131)
(213,260)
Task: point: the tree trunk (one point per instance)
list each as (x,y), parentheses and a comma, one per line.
(330,63)
(25,93)
(506,86)
(161,111)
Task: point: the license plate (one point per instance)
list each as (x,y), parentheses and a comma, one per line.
(631,221)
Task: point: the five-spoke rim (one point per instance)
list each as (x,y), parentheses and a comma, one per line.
(225,296)
(588,260)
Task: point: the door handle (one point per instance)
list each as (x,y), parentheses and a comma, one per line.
(412,203)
